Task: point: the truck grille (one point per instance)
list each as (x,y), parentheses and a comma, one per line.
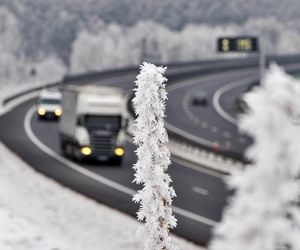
(102,145)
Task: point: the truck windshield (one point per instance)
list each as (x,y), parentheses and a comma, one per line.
(50,101)
(111,123)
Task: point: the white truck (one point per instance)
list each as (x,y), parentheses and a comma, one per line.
(48,105)
(93,122)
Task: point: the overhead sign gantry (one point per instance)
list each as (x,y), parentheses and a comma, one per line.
(238,44)
(245,44)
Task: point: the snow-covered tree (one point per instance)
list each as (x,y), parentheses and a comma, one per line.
(15,68)
(153,159)
(264,213)
(104,49)
(187,31)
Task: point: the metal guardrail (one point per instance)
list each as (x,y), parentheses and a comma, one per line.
(188,70)
(21,93)
(68,79)
(205,67)
(92,76)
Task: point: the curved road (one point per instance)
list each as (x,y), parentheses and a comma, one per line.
(201,192)
(204,121)
(215,123)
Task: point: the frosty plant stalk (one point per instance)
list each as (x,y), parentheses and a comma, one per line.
(153,159)
(264,213)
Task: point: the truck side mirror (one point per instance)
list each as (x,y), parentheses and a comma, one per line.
(125,123)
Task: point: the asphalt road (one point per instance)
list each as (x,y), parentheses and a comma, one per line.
(204,121)
(201,193)
(217,122)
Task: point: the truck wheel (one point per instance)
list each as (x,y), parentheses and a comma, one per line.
(63,148)
(117,161)
(76,154)
(40,118)
(68,150)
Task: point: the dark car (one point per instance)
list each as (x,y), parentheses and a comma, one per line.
(200,98)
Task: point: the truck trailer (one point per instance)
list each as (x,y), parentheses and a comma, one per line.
(93,123)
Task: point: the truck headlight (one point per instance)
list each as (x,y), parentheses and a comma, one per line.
(119,151)
(41,111)
(86,151)
(58,112)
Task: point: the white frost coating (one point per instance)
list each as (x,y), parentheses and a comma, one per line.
(153,159)
(264,214)
(115,46)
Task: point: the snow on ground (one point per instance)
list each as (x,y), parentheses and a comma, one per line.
(36,213)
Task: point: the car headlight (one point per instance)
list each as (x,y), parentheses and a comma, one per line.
(58,112)
(41,111)
(119,151)
(86,151)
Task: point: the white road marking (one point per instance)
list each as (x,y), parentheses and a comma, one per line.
(67,162)
(186,110)
(214,129)
(196,120)
(226,134)
(193,81)
(221,91)
(198,168)
(97,177)
(200,190)
(194,216)
(204,124)
(188,135)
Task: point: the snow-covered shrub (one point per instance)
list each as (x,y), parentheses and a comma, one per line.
(264,212)
(153,159)
(278,37)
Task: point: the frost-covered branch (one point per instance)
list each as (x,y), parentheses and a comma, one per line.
(153,158)
(264,214)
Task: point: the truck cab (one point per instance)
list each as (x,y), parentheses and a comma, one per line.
(92,126)
(49,104)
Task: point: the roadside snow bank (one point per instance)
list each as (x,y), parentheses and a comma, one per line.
(38,213)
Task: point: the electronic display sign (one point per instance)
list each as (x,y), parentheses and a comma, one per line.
(238,44)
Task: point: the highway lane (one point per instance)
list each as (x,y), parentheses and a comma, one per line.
(201,195)
(225,96)
(225,100)
(217,122)
(187,182)
(204,121)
